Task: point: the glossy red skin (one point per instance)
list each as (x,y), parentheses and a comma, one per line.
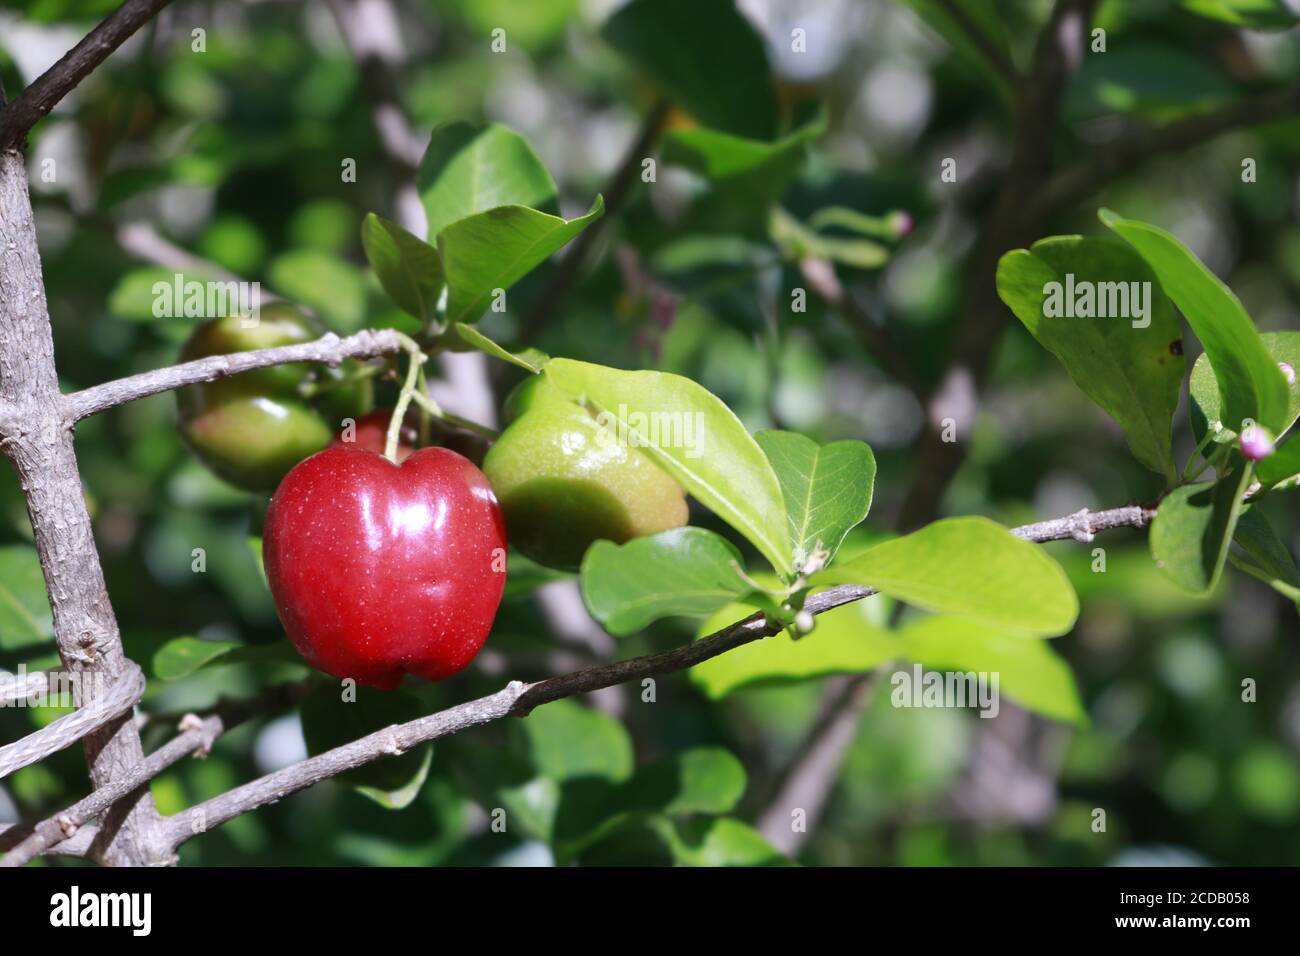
(381,570)
(371,434)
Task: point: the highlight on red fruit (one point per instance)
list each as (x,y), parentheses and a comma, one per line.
(380,570)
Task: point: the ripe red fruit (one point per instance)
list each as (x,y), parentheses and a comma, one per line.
(381,570)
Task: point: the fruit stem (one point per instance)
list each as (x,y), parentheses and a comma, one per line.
(433,408)
(409,389)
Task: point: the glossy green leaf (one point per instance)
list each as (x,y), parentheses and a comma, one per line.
(1193,529)
(1248,14)
(1204,389)
(827,489)
(706,56)
(1250,383)
(1130,365)
(1029,672)
(755,168)
(693,436)
(469,169)
(407,267)
(24,607)
(686,572)
(848,640)
(972,567)
(495,249)
(329,721)
(182,656)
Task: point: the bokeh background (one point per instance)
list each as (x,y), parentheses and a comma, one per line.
(232,156)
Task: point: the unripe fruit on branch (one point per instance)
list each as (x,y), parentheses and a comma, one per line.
(251,428)
(381,570)
(565,482)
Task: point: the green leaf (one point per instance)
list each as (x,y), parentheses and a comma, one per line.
(470,169)
(702,780)
(706,56)
(495,249)
(848,640)
(1193,529)
(685,572)
(1151,80)
(567,741)
(754,168)
(1266,555)
(466,336)
(329,721)
(827,488)
(182,656)
(333,287)
(719,841)
(1249,14)
(721,465)
(407,267)
(955,29)
(1204,389)
(1134,372)
(973,567)
(1282,468)
(1029,672)
(1250,383)
(24,607)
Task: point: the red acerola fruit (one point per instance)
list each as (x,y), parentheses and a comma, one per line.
(381,570)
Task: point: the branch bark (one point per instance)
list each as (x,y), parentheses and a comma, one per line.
(37,438)
(329,349)
(33,103)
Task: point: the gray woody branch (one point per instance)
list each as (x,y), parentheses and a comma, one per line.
(30,106)
(518,699)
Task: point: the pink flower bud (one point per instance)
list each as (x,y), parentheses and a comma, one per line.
(901,222)
(1256,442)
(1288,371)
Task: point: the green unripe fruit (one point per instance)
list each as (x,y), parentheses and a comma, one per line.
(564,482)
(253,441)
(253,427)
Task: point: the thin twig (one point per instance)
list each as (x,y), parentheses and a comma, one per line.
(329,349)
(33,103)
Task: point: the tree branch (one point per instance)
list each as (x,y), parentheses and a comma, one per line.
(329,349)
(517,699)
(196,736)
(1076,183)
(36,437)
(33,103)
